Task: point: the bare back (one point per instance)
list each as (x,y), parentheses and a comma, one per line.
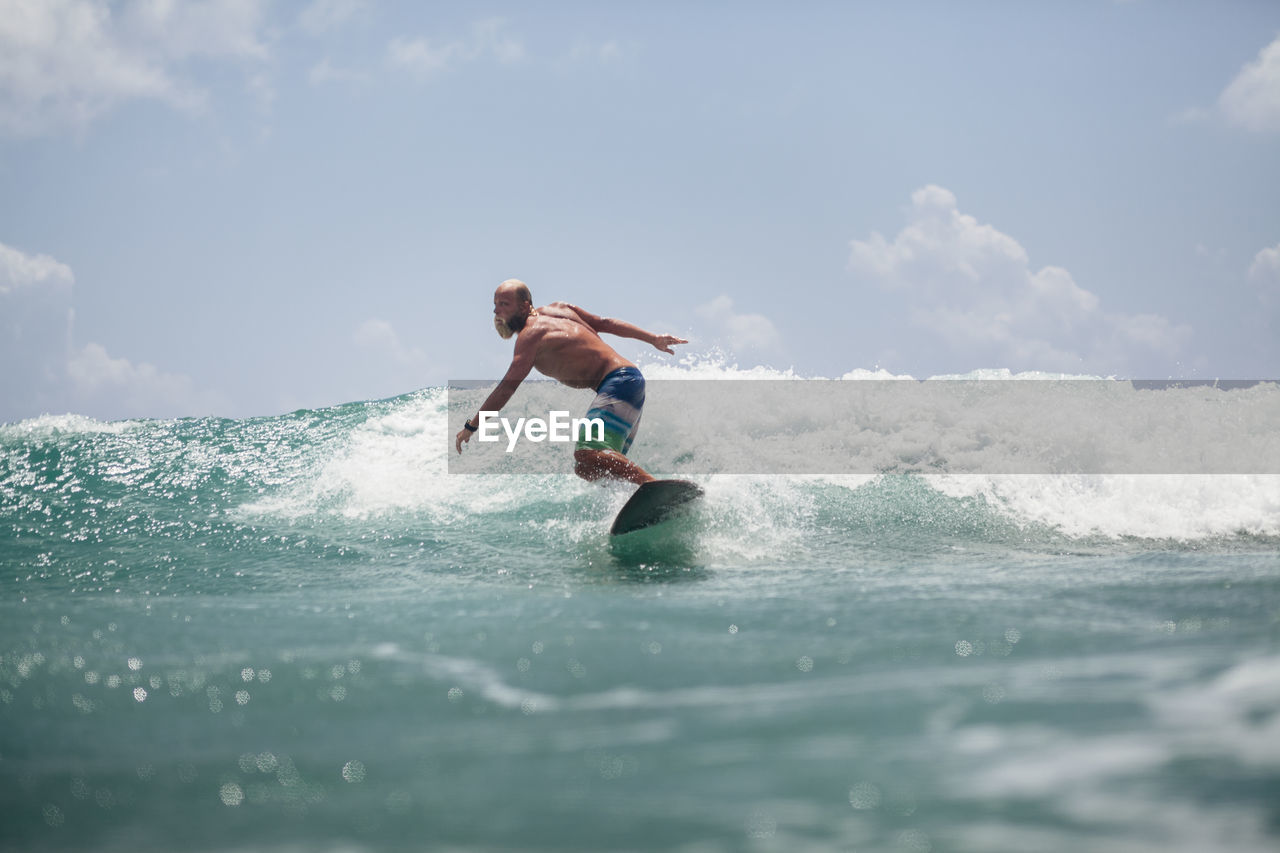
(567,348)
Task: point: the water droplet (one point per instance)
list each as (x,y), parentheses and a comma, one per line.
(865,796)
(761,825)
(915,841)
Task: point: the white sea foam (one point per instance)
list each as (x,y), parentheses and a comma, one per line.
(68,424)
(401,459)
(392,461)
(1177,507)
(1152,506)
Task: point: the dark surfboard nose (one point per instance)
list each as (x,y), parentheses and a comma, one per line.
(652,503)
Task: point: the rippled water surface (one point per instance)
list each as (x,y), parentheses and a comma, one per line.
(302,633)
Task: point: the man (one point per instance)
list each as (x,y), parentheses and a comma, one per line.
(563,341)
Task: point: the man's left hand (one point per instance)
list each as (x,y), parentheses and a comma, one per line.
(665,342)
(464,434)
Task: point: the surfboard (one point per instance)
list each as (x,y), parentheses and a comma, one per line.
(654,502)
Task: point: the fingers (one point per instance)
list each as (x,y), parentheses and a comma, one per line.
(665,342)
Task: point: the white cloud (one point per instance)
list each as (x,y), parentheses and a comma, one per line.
(590,51)
(45,372)
(1252,100)
(422,57)
(425,57)
(19,270)
(326,16)
(210,28)
(379,336)
(741,331)
(65,63)
(385,365)
(35,332)
(110,387)
(1266,266)
(489,37)
(1191,115)
(585,55)
(973,287)
(263,91)
(325,71)
(1265,273)
(61,65)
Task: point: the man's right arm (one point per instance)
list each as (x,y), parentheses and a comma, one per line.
(521,364)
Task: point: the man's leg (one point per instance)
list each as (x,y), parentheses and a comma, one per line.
(595,464)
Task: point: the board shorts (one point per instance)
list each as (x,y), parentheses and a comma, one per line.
(619,399)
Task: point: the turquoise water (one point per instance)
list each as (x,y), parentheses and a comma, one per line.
(302,633)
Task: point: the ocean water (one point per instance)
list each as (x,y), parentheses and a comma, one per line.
(303,633)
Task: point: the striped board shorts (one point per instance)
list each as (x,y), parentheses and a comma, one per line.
(619,399)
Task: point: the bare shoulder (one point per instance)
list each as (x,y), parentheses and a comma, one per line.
(567,311)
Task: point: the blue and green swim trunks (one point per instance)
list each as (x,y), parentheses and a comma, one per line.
(619,399)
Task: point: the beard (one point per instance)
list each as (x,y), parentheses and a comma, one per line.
(507,328)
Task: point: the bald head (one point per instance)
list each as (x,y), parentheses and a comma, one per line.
(517,288)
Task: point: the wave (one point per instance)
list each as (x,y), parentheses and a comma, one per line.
(388,460)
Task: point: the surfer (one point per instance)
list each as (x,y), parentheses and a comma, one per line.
(563,341)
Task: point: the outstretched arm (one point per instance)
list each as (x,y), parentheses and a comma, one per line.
(623,329)
(521,364)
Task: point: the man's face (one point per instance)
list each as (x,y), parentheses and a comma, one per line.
(508,307)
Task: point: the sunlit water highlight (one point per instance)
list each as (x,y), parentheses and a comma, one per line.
(302,633)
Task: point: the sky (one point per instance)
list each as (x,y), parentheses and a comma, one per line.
(247,207)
